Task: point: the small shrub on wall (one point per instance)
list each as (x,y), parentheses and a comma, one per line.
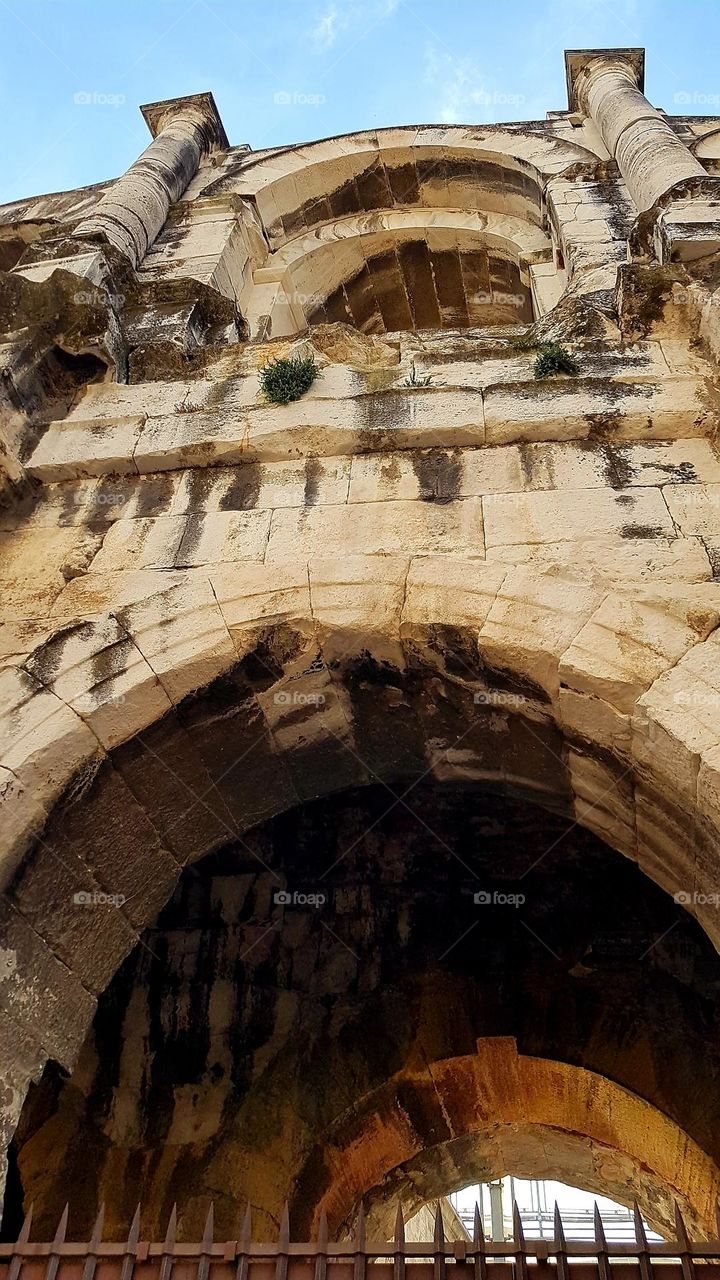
(284,380)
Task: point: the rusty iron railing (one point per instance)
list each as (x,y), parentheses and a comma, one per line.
(359,1259)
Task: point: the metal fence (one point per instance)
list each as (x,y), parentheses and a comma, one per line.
(360,1259)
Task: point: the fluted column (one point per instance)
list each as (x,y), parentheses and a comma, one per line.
(607,85)
(132,213)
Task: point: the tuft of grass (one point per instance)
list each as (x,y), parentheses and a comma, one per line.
(552,358)
(524,342)
(285,379)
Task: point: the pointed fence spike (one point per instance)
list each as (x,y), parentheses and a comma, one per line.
(399,1225)
(521,1270)
(439,1233)
(246,1234)
(439,1263)
(17,1257)
(171,1233)
(25,1228)
(134,1232)
(360,1264)
(94,1245)
(561,1261)
(284,1237)
(399,1258)
(480,1267)
(684,1246)
(558,1227)
(518,1231)
(54,1256)
(281,1264)
(642,1244)
(209,1229)
(321,1247)
(681,1234)
(601,1248)
(243,1265)
(62,1226)
(166,1264)
(322,1235)
(96,1237)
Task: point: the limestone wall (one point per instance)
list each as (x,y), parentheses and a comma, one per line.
(530,566)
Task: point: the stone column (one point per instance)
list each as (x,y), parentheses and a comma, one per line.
(607,85)
(133,212)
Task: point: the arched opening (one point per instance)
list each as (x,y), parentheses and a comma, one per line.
(367,1000)
(315,709)
(413,200)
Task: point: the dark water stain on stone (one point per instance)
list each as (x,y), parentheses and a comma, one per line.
(619,471)
(642,531)
(198,484)
(244,488)
(626,499)
(45,663)
(439,474)
(313,476)
(155,494)
(190,540)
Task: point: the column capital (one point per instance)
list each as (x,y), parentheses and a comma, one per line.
(159,114)
(578,61)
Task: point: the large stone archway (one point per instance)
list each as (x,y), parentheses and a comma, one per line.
(379,996)
(443,565)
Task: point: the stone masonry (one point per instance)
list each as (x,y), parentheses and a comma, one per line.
(433,566)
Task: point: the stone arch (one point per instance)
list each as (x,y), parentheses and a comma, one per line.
(459,167)
(510,1114)
(363,268)
(616,734)
(438,173)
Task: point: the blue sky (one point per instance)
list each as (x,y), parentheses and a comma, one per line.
(286,71)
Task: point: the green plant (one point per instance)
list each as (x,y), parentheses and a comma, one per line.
(552,358)
(285,379)
(524,342)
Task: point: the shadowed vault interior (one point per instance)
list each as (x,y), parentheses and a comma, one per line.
(368,999)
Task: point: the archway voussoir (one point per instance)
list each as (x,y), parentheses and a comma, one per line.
(44,743)
(97,670)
